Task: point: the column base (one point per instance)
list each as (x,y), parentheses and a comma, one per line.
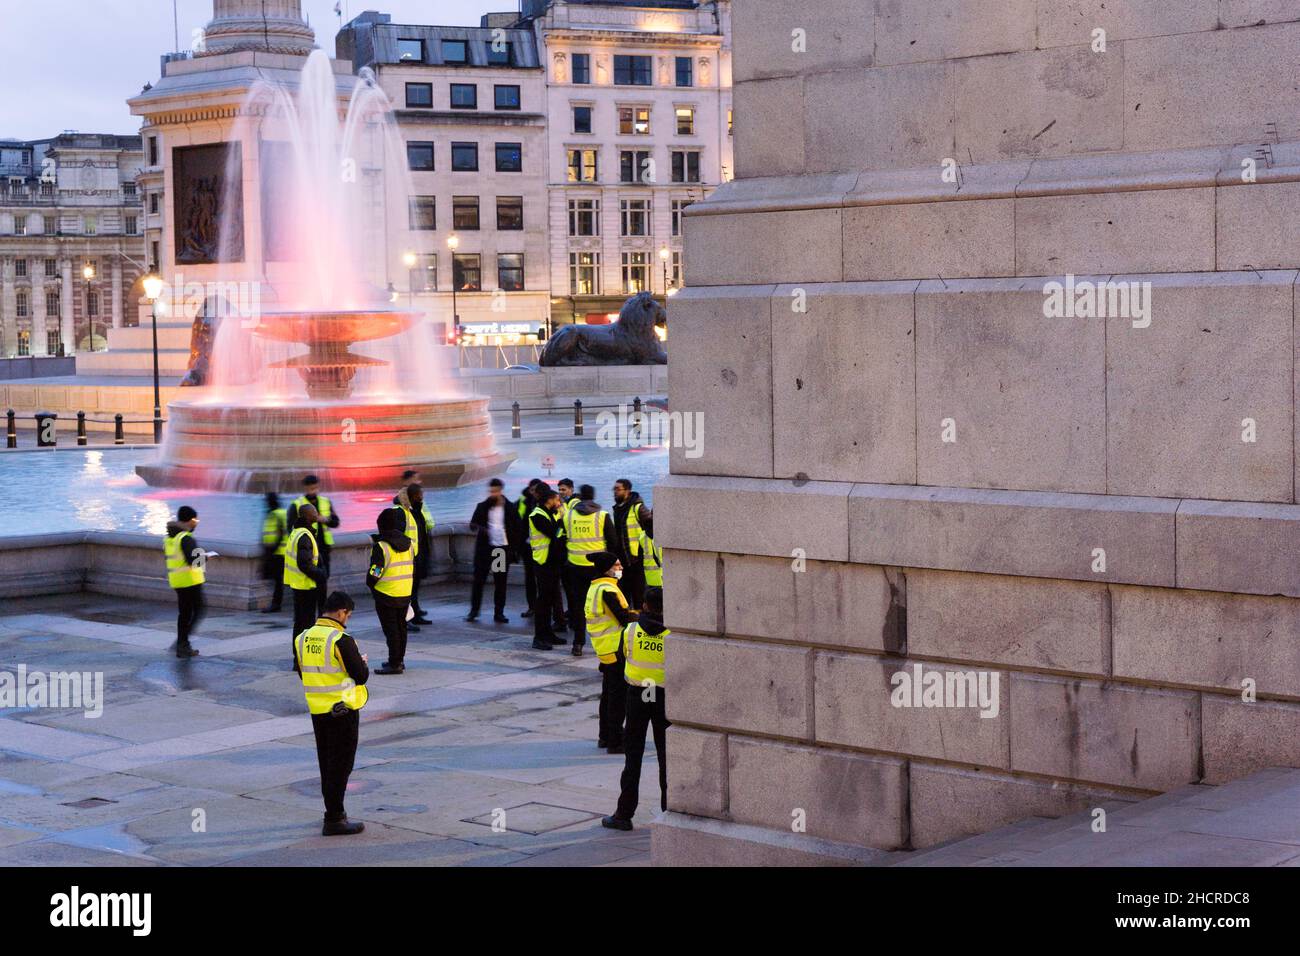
(678,839)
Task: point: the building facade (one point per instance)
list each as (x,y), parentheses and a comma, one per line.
(470,102)
(639,127)
(72,241)
(621,116)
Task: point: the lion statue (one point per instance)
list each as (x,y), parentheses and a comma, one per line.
(629,341)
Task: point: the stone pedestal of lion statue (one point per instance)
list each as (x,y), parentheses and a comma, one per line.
(629,341)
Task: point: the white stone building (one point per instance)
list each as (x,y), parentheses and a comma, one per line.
(69,208)
(639,127)
(470,102)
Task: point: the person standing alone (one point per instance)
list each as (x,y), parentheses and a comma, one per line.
(392,569)
(186,574)
(334,674)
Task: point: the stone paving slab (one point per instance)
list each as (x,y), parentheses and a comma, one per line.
(479,725)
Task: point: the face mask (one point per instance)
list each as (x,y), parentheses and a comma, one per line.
(617,574)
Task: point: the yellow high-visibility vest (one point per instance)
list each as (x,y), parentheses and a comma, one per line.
(540,544)
(325,680)
(324,509)
(634,530)
(654,561)
(273,530)
(585,536)
(397,572)
(603,627)
(412,530)
(292,576)
(644,652)
(180,573)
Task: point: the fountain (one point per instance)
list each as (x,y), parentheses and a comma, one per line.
(327,186)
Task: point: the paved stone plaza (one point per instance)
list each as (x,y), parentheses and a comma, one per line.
(479,723)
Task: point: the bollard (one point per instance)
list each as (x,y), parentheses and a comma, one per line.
(11,431)
(635,425)
(515,429)
(118,437)
(81,428)
(46,436)
(577,417)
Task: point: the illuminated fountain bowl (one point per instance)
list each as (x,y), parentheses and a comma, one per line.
(329,366)
(352,444)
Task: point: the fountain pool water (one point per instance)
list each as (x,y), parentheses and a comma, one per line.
(87,489)
(333,194)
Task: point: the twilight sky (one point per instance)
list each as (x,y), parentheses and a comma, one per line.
(71,64)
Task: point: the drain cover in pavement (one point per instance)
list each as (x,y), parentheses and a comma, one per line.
(533,818)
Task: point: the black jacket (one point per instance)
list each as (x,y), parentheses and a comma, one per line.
(516,535)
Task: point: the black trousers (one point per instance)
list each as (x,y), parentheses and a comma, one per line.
(499,580)
(415,597)
(613,702)
(323,588)
(392,618)
(304,609)
(336,751)
(530,583)
(275,574)
(548,590)
(577,581)
(189,611)
(632,584)
(640,714)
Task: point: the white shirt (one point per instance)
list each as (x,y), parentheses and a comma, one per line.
(497,526)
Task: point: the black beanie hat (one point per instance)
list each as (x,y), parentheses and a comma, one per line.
(186,513)
(602,561)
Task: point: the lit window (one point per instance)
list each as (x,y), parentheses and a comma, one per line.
(467,272)
(582,166)
(510,272)
(636,272)
(584,273)
(464,213)
(685,121)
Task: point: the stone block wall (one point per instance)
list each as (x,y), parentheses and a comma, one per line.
(908,460)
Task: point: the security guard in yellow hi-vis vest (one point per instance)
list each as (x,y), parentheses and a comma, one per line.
(587,530)
(607,615)
(185,573)
(419,529)
(275,540)
(643,647)
(326,518)
(652,556)
(302,568)
(390,579)
(546,549)
(627,528)
(334,674)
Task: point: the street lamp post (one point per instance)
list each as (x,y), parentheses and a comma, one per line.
(453,243)
(152,289)
(664,254)
(88,273)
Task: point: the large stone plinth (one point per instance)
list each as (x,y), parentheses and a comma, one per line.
(1098,511)
(351,445)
